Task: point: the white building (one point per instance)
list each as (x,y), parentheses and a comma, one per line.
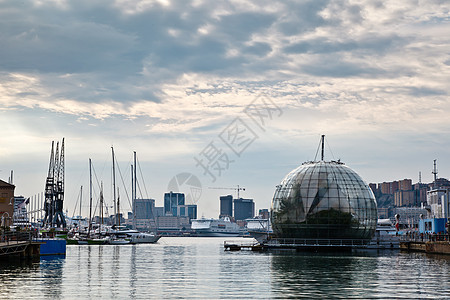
(438,203)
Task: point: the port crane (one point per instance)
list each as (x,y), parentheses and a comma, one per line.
(54,189)
(238,188)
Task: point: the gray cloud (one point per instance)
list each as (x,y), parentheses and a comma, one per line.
(368,45)
(300,18)
(339,68)
(126,53)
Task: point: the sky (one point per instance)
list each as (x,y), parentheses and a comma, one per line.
(212,95)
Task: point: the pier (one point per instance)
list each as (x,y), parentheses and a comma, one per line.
(298,244)
(237,246)
(435,243)
(18,245)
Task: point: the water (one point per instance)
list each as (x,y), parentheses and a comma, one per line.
(200,268)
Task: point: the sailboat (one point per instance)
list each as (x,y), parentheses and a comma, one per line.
(135,236)
(97,236)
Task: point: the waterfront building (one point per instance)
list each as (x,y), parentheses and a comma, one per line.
(438,203)
(6,202)
(171,201)
(189,211)
(144,208)
(172,223)
(145,224)
(226,206)
(243,209)
(325,200)
(20,215)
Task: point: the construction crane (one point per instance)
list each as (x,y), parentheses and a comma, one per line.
(54,189)
(238,188)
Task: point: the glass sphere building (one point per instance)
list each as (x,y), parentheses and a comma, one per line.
(324,200)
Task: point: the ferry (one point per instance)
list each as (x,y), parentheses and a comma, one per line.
(216,227)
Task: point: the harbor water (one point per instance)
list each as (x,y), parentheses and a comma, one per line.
(188,267)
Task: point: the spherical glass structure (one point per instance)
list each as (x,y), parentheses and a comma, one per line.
(324,200)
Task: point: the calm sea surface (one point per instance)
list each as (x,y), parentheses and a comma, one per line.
(200,268)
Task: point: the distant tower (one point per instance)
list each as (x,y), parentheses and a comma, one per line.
(420,177)
(435,172)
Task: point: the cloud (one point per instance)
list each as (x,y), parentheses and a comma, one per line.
(188,66)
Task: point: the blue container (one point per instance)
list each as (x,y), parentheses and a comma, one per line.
(436,225)
(53,246)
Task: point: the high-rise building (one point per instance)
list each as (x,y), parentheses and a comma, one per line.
(243,209)
(405,185)
(145,208)
(404,198)
(226,206)
(171,201)
(264,213)
(189,211)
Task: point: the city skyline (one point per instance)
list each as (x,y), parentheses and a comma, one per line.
(248,87)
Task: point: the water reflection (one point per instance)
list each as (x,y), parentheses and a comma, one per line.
(201,269)
(331,275)
(363,275)
(133,272)
(51,271)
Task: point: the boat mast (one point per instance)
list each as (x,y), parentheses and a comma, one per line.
(114,185)
(118,206)
(135,192)
(81,199)
(90,197)
(101,206)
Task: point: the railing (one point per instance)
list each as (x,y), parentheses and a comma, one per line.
(15,237)
(295,242)
(424,237)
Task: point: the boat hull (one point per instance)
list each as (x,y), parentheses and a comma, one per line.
(207,233)
(144,239)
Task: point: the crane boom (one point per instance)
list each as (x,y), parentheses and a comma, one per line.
(238,188)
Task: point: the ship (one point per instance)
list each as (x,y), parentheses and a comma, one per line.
(216,227)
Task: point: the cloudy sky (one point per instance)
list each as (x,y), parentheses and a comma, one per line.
(228,92)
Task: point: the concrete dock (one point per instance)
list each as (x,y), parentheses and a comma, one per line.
(435,247)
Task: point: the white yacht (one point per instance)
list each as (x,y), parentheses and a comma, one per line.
(215,227)
(133,236)
(386,236)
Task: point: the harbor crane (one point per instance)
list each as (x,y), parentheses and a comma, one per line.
(54,189)
(238,188)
